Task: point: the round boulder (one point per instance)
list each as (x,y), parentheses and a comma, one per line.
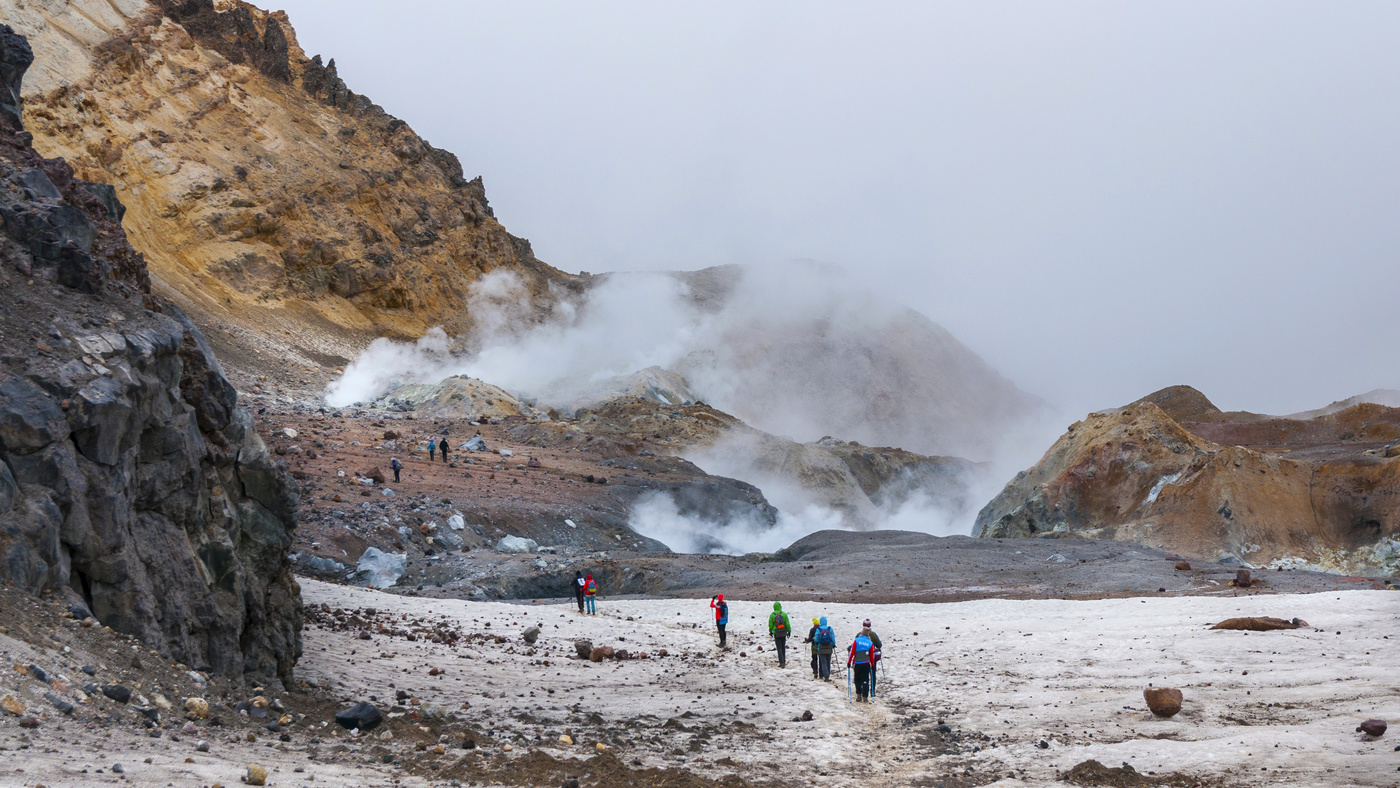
(1163,701)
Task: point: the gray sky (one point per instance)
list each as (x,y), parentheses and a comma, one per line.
(1100,198)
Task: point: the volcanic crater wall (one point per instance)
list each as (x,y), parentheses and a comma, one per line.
(131,483)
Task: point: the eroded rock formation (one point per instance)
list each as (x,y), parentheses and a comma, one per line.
(266,195)
(130,481)
(1253,489)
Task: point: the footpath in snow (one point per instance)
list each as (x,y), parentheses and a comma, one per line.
(1005,692)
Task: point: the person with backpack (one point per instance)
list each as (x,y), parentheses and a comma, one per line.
(443,446)
(579,584)
(826,644)
(874,653)
(432,449)
(859,658)
(397,466)
(812,638)
(721,609)
(780,626)
(590,595)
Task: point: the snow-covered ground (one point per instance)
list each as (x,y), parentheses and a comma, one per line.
(1275,708)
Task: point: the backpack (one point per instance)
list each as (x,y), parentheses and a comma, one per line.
(780,624)
(826,637)
(580,582)
(861,646)
(591,588)
(722,609)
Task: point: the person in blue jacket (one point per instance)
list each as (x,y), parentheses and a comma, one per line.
(826,644)
(859,658)
(721,615)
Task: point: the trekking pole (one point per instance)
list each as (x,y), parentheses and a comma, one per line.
(849,696)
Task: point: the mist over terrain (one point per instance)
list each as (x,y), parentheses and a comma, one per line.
(1099,199)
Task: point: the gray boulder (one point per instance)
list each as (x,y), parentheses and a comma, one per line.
(516,544)
(476,443)
(380,569)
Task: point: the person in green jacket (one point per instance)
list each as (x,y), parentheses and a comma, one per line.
(780,627)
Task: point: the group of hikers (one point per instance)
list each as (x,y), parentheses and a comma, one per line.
(862,657)
(434,446)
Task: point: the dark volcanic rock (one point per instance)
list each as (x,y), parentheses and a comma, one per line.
(1372,728)
(117,693)
(130,481)
(361,716)
(15,59)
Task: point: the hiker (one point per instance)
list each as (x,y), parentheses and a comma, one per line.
(826,644)
(874,653)
(432,450)
(443,446)
(859,658)
(780,626)
(812,638)
(579,583)
(721,609)
(590,593)
(397,466)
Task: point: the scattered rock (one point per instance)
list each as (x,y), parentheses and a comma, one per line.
(531,635)
(566,740)
(1372,728)
(806,716)
(117,768)
(475,443)
(1163,701)
(1183,566)
(1043,744)
(257,775)
(361,716)
(197,708)
(584,648)
(596,655)
(12,706)
(1243,579)
(532,463)
(117,692)
(516,544)
(29,722)
(1259,624)
(456,522)
(201,746)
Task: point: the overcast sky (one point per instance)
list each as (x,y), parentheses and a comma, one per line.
(1099,198)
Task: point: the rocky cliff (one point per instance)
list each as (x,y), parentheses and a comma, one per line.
(131,484)
(293,218)
(1261,491)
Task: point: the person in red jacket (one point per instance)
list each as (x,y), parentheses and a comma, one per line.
(721,615)
(590,595)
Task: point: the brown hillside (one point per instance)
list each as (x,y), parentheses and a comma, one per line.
(268,198)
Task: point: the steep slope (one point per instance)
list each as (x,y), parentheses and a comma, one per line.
(293,218)
(1263,491)
(131,483)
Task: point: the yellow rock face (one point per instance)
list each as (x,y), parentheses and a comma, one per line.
(12,706)
(264,195)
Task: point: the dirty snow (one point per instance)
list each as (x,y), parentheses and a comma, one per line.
(1277,708)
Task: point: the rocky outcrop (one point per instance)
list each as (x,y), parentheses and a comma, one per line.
(1256,491)
(262,190)
(130,481)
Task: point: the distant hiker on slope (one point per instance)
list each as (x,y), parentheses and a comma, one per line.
(859,658)
(432,450)
(780,626)
(590,594)
(874,653)
(826,644)
(579,583)
(443,446)
(397,466)
(721,609)
(812,638)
